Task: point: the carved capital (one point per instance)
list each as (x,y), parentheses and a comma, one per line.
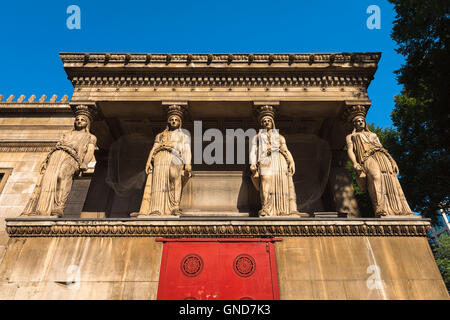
(88,110)
(355,108)
(177,108)
(263,109)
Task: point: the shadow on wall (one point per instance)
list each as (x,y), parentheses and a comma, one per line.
(118,182)
(312,157)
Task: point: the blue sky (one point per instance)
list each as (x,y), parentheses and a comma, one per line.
(32,33)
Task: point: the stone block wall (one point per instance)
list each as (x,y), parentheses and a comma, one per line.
(312,268)
(81,268)
(358,268)
(28,131)
(317,259)
(18,187)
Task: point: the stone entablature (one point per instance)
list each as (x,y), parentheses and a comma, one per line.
(214,227)
(220,70)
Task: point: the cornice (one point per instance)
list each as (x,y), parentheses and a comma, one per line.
(25,227)
(210,59)
(220,70)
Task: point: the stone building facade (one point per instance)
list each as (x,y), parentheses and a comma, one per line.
(98,251)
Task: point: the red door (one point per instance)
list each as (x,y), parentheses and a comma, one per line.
(212,269)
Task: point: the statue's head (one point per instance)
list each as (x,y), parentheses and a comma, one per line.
(265,115)
(267,123)
(174,122)
(175,114)
(359,123)
(84,116)
(82,122)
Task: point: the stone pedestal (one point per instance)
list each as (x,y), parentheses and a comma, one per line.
(219,193)
(315,258)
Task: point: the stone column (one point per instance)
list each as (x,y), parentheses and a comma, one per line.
(272,165)
(168,166)
(78,197)
(341,190)
(340,179)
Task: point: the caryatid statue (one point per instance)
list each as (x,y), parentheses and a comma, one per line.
(376,170)
(272,167)
(168,168)
(71,155)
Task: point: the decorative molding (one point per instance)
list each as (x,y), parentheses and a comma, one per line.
(34,107)
(191,265)
(222,229)
(31,99)
(289,59)
(220,70)
(216,79)
(244,265)
(27,146)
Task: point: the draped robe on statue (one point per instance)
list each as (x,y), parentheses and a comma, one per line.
(51,192)
(273,179)
(162,193)
(387,197)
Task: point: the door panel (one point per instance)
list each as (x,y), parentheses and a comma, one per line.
(211,269)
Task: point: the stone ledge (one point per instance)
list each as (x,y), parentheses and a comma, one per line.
(26,145)
(215,227)
(195,60)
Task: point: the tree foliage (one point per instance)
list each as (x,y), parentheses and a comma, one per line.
(442,256)
(421,116)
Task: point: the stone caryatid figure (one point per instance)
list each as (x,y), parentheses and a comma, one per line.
(168,168)
(72,154)
(272,167)
(376,170)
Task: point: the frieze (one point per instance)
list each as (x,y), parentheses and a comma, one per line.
(299,228)
(225,80)
(27,146)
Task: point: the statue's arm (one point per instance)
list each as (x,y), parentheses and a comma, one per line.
(149,165)
(89,153)
(63,137)
(88,157)
(290,159)
(377,141)
(351,153)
